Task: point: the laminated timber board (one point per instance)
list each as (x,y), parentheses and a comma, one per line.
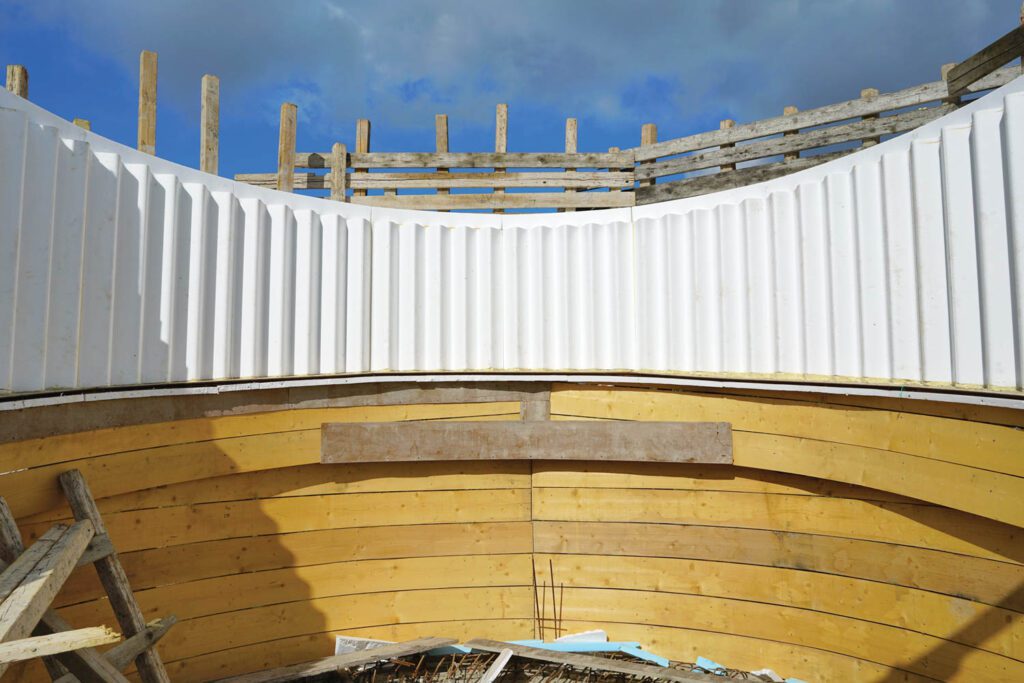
(677,442)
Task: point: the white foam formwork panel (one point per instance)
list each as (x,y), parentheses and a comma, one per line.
(901,263)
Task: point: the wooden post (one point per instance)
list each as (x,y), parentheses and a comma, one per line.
(147,102)
(571,146)
(610,151)
(870,94)
(209,129)
(944,74)
(362,147)
(790,111)
(82,123)
(500,141)
(286,148)
(339,166)
(17,80)
(441,144)
(648,136)
(113,577)
(726,124)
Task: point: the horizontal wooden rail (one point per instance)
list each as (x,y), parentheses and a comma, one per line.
(470,160)
(821,137)
(832,113)
(362,180)
(977,66)
(517,200)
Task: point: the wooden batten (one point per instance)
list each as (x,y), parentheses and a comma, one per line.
(441,147)
(362,147)
(147,102)
(648,138)
(286,148)
(571,144)
(678,442)
(209,126)
(339,173)
(726,124)
(977,66)
(56,643)
(500,146)
(17,80)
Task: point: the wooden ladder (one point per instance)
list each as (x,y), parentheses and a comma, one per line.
(31,579)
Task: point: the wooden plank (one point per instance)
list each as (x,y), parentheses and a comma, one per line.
(441,144)
(124,653)
(362,147)
(147,102)
(821,137)
(113,578)
(832,113)
(571,147)
(790,111)
(209,125)
(341,662)
(519,200)
(707,442)
(22,610)
(22,566)
(286,148)
(589,662)
(496,667)
(648,137)
(447,180)
(55,643)
(984,62)
(17,80)
(726,124)
(691,187)
(870,94)
(472,160)
(339,172)
(500,143)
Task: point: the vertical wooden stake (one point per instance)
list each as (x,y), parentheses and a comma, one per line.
(209,143)
(17,80)
(82,123)
(147,102)
(362,147)
(286,148)
(870,94)
(339,166)
(790,111)
(441,143)
(612,150)
(726,124)
(571,146)
(500,141)
(648,136)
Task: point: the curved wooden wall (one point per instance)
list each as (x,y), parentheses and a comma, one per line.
(853,539)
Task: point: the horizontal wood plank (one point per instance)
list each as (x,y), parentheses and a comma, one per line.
(55,643)
(821,137)
(574,179)
(832,113)
(518,200)
(708,442)
(984,62)
(715,182)
(471,160)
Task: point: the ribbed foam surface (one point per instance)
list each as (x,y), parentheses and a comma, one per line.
(900,263)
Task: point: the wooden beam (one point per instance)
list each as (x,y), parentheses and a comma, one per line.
(584,662)
(55,643)
(441,143)
(870,94)
(519,200)
(209,127)
(362,147)
(500,142)
(726,124)
(286,148)
(23,565)
(122,654)
(676,442)
(17,80)
(339,172)
(477,179)
(984,62)
(557,160)
(790,111)
(113,578)
(648,137)
(147,102)
(344,661)
(571,147)
(22,610)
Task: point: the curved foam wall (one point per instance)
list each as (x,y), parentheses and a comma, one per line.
(855,537)
(898,264)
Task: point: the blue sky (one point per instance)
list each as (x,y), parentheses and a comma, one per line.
(614,65)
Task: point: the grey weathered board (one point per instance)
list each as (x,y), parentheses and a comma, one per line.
(984,62)
(677,442)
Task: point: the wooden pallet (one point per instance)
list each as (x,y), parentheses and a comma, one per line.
(31,579)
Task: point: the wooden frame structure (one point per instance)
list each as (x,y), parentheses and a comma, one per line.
(32,578)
